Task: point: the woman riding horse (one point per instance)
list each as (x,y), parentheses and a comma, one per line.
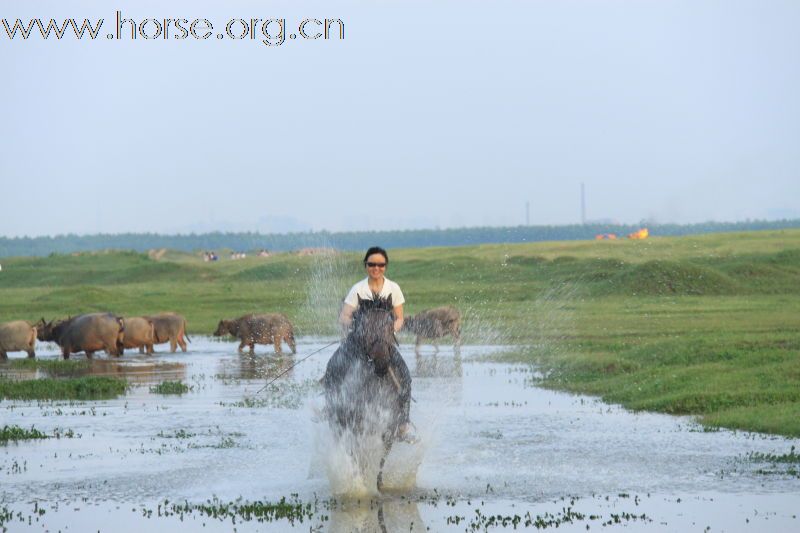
(367,382)
(368,372)
(376,291)
(368,386)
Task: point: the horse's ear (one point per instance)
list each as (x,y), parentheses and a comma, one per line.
(359,300)
(389,302)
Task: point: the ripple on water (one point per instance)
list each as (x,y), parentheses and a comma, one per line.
(486,435)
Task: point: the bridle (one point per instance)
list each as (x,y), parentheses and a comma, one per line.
(359,334)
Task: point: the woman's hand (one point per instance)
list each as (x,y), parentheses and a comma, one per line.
(398,318)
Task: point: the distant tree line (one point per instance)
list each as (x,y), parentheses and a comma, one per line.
(249,241)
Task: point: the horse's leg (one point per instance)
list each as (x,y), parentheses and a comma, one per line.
(387,447)
(381,519)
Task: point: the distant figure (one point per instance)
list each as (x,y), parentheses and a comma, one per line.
(263,253)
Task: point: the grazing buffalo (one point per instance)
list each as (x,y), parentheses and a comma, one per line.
(169,327)
(139,333)
(434,324)
(86,333)
(17,336)
(270,328)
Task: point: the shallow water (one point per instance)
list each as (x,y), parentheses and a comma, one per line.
(492,444)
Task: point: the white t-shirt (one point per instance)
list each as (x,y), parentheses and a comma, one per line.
(361,289)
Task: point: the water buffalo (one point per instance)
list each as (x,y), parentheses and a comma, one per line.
(168,327)
(86,333)
(17,336)
(434,324)
(270,328)
(139,333)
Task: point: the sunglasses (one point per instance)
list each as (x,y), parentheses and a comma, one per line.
(379,265)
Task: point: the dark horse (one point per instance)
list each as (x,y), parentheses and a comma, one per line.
(367,383)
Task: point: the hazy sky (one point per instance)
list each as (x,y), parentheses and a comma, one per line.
(427,114)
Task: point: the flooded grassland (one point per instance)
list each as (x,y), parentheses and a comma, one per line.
(193,444)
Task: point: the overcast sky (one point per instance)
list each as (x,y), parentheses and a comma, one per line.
(427,114)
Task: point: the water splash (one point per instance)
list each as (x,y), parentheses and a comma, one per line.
(351,457)
(325,290)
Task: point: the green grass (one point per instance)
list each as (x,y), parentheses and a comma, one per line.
(170,387)
(54,367)
(703,325)
(16,433)
(84,388)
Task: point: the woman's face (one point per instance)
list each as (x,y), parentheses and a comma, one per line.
(376,266)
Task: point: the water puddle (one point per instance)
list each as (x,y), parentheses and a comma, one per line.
(495,452)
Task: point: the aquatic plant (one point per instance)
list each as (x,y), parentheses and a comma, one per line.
(15,433)
(170,387)
(787,458)
(52,366)
(292,510)
(84,388)
(179,434)
(482,522)
(785,464)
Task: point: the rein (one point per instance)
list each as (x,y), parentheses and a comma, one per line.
(273,380)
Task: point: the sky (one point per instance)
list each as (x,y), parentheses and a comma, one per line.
(427,114)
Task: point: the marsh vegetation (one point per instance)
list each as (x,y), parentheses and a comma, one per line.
(703,325)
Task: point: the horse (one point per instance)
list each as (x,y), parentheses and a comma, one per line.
(367,383)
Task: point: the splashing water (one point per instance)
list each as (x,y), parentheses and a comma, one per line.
(353,456)
(326,288)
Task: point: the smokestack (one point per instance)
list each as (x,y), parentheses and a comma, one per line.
(583,204)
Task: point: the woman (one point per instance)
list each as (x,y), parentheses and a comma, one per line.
(376,287)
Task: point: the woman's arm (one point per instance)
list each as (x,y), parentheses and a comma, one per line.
(346,317)
(398,317)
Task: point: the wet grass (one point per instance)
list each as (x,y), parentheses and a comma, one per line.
(179,434)
(170,387)
(703,325)
(787,458)
(482,522)
(748,381)
(776,464)
(54,367)
(84,388)
(16,433)
(292,510)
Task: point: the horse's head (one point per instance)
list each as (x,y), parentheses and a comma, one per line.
(374,331)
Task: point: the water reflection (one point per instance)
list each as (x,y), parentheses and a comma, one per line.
(383,516)
(246,366)
(136,370)
(431,366)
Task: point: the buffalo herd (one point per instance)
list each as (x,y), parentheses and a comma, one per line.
(94,332)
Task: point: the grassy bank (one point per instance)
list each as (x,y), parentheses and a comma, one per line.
(702,325)
(85,388)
